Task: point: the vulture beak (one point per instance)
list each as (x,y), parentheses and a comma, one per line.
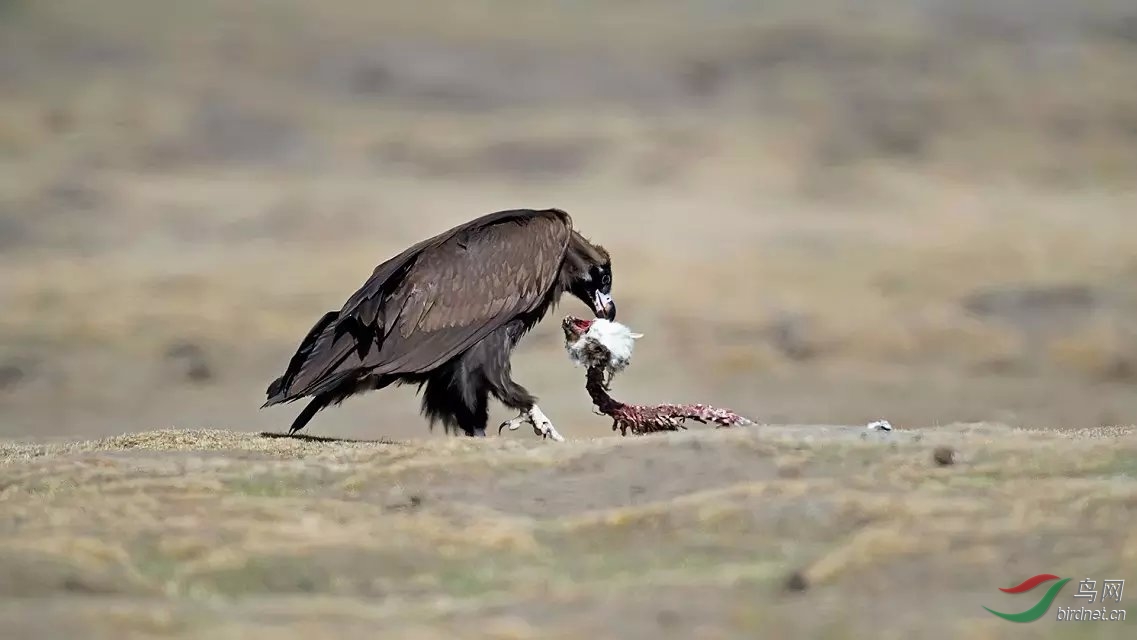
(603,305)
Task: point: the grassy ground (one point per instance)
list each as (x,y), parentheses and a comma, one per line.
(804,200)
(821,532)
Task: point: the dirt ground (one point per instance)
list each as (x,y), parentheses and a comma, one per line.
(817,212)
(770,531)
(820,213)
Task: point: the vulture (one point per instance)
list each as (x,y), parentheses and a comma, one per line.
(445,315)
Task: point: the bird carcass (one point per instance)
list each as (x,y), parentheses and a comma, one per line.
(604,348)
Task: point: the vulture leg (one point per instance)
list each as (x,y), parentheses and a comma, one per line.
(475,423)
(541,424)
(491,356)
(472,414)
(454,395)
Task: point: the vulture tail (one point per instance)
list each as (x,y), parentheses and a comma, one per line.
(279,390)
(313,407)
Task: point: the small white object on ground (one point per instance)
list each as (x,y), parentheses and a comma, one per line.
(879,425)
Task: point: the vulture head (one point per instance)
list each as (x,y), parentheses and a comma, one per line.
(587,275)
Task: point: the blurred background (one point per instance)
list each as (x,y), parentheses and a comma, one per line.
(820,211)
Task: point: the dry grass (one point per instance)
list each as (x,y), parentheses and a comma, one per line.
(215,533)
(802,199)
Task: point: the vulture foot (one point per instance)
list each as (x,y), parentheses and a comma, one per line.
(542,426)
(513,423)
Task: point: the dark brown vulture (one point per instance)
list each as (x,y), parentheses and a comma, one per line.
(445,314)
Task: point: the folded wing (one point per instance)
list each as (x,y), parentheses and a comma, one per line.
(433,301)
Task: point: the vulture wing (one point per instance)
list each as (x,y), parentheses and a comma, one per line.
(433,301)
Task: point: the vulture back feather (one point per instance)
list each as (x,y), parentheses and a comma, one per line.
(433,301)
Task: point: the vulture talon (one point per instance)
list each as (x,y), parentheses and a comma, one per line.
(542,426)
(536,418)
(513,423)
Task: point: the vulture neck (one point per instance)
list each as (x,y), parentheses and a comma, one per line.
(579,258)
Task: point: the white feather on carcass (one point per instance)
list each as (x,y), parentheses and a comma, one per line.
(616,338)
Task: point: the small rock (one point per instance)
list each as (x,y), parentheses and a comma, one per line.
(790,470)
(191,360)
(944,456)
(796,582)
(399,499)
(790,335)
(12,374)
(1121,368)
(879,425)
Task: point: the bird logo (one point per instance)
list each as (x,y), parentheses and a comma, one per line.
(1043,605)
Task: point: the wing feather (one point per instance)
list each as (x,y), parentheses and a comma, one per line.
(471,289)
(436,299)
